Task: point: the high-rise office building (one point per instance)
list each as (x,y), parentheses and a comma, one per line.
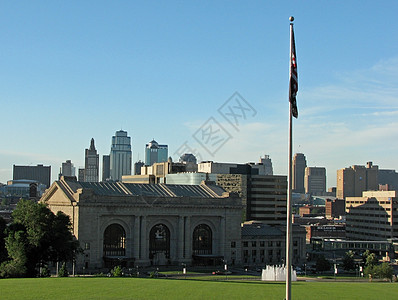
(298,173)
(315,180)
(67,169)
(40,173)
(352,181)
(106,167)
(91,166)
(120,157)
(137,167)
(155,153)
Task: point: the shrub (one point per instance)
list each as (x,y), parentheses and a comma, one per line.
(63,272)
(45,272)
(117,271)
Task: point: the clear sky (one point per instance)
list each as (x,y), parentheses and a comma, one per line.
(75,70)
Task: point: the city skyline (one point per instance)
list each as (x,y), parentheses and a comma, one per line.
(165,70)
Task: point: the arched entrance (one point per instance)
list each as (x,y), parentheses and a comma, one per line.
(202,240)
(159,244)
(114,245)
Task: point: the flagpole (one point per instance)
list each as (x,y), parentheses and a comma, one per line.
(289,194)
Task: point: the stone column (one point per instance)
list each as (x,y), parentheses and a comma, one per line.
(144,239)
(136,238)
(188,239)
(180,243)
(222,237)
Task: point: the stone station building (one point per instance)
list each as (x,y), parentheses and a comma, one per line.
(133,225)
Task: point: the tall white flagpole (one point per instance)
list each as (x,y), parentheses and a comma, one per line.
(289,193)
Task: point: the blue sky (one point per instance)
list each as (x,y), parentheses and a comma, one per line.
(75,70)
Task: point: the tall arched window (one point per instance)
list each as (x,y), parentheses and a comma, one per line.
(202,240)
(159,244)
(114,240)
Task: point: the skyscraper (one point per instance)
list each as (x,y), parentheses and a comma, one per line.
(67,169)
(298,172)
(106,167)
(120,157)
(315,180)
(155,153)
(91,165)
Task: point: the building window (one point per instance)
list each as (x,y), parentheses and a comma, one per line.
(114,241)
(262,252)
(278,243)
(262,244)
(270,244)
(295,243)
(233,244)
(245,253)
(254,253)
(202,239)
(246,244)
(254,244)
(159,243)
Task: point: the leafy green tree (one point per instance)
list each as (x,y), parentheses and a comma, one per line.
(371,259)
(379,271)
(348,261)
(40,235)
(322,264)
(3,250)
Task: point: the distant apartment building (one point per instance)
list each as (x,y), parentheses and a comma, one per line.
(315,180)
(155,153)
(120,156)
(38,173)
(374,216)
(352,181)
(91,166)
(324,231)
(298,173)
(334,208)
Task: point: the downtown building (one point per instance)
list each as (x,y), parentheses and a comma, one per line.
(352,181)
(39,173)
(315,181)
(155,153)
(91,165)
(120,156)
(374,216)
(298,173)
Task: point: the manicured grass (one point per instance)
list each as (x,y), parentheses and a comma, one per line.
(146,288)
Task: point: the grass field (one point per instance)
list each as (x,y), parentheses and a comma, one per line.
(146,288)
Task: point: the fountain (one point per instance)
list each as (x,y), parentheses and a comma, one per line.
(276,273)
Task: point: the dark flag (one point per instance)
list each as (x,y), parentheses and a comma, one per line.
(293,82)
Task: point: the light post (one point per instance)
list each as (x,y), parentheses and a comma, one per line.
(184,270)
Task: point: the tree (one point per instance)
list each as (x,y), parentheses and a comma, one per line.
(322,264)
(3,250)
(37,236)
(371,259)
(379,271)
(348,261)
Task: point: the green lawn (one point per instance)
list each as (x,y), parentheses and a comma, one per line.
(146,288)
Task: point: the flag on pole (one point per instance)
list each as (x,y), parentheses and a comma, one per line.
(293,82)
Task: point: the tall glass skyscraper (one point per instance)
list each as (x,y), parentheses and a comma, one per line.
(155,153)
(120,157)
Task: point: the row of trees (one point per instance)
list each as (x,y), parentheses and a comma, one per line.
(35,237)
(370,261)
